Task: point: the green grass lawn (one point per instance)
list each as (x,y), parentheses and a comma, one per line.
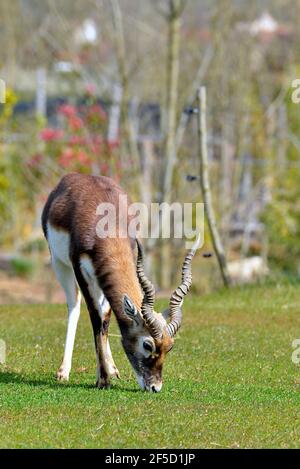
(229,381)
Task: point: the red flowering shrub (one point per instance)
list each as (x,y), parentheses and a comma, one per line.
(68,110)
(80,144)
(49,135)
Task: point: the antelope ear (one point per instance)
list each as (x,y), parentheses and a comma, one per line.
(130,310)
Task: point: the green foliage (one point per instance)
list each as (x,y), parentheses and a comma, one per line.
(5,183)
(17,184)
(229,382)
(282,216)
(282,219)
(35,246)
(22,267)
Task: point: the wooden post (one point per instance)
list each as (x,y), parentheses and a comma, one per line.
(205,185)
(41,92)
(114,114)
(2,92)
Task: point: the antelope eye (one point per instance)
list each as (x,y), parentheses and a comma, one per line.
(148,346)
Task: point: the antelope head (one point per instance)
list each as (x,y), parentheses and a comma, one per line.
(151,335)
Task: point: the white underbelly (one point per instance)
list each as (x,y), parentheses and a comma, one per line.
(96,293)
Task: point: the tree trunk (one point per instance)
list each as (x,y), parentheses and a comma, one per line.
(128,131)
(205,186)
(174,17)
(172,98)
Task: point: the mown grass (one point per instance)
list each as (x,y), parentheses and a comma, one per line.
(229,381)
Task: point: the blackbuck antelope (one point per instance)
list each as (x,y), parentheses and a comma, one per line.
(105,272)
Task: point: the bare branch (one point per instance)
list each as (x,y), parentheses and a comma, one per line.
(208,55)
(123,73)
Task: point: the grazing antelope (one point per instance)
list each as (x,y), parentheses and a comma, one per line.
(104,271)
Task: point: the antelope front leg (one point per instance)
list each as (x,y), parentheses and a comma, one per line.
(102,374)
(106,315)
(100,337)
(106,367)
(100,312)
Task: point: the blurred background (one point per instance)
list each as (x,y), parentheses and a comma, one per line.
(108,87)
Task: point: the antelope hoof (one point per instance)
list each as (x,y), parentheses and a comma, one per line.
(62,375)
(103,383)
(115,373)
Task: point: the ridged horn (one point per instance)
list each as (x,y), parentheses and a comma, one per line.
(151,322)
(178,295)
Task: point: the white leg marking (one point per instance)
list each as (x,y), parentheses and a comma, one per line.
(67,280)
(113,371)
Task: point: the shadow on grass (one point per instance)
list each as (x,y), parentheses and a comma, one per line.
(10,377)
